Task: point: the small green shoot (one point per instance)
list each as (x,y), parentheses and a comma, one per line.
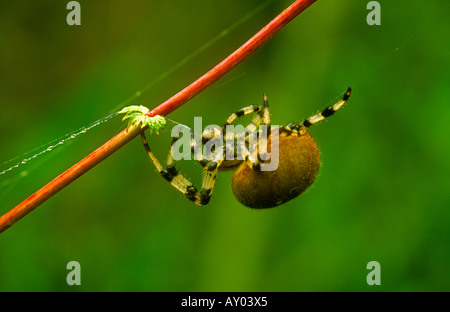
(138,115)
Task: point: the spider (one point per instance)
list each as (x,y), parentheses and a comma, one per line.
(298,162)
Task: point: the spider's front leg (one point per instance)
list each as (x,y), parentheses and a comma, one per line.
(182,184)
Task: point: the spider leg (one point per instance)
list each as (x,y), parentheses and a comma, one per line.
(193,146)
(250,128)
(327,111)
(182,184)
(262,116)
(241,112)
(261,137)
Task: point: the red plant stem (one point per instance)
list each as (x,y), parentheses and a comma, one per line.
(165,108)
(233,59)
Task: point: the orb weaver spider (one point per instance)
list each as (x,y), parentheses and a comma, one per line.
(299,162)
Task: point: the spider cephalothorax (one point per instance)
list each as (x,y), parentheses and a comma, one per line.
(298,161)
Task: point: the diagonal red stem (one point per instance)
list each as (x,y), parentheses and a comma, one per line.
(233,59)
(165,108)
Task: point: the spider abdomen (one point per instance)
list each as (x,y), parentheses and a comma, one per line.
(299,162)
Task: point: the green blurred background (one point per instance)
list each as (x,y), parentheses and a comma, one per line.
(383,189)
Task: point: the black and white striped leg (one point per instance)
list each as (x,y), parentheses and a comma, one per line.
(264,116)
(241,112)
(242,151)
(327,111)
(209,179)
(183,185)
(194,145)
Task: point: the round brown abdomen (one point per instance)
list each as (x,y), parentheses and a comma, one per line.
(298,165)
